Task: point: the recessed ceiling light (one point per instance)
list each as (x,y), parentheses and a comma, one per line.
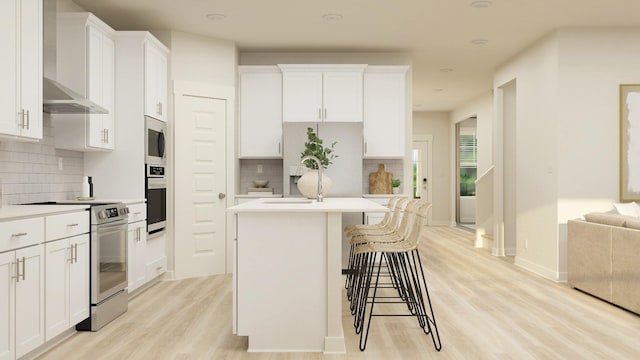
(479,4)
(438,90)
(479,41)
(446,70)
(216,17)
(332,17)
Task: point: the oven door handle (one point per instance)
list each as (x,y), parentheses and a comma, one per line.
(109,226)
(157,183)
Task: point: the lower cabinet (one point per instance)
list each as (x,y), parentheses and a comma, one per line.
(21,301)
(137,268)
(67,285)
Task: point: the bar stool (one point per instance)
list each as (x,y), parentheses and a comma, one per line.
(401,254)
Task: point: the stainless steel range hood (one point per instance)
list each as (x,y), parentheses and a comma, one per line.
(57,98)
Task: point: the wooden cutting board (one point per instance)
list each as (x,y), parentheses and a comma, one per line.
(380,181)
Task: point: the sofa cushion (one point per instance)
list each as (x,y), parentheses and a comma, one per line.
(628,209)
(605,218)
(632,224)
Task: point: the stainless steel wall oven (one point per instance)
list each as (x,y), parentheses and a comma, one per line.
(156,193)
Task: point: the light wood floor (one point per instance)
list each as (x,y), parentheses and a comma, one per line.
(486,308)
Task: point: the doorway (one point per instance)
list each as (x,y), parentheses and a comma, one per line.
(422,170)
(466,171)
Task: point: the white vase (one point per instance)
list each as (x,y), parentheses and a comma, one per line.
(395,190)
(308,184)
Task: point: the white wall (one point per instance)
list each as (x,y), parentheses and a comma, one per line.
(536,227)
(593,64)
(200,59)
(438,125)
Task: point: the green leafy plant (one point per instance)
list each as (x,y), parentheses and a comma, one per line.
(395,183)
(313,146)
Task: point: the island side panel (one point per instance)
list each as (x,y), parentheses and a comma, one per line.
(282,280)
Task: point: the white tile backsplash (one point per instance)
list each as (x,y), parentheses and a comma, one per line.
(29,170)
(271,170)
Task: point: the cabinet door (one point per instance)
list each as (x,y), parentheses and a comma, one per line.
(21,68)
(58,256)
(9,117)
(30,300)
(100,87)
(155,82)
(7,304)
(137,268)
(31,67)
(384,115)
(302,96)
(79,279)
(342,96)
(261,114)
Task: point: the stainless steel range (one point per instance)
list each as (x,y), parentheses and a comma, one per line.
(109,297)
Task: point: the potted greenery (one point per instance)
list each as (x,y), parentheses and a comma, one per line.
(308,183)
(395,186)
(313,146)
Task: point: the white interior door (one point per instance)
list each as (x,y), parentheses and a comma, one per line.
(422,169)
(200,174)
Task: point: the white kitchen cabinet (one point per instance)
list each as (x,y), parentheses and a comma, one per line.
(155,79)
(156,255)
(67,268)
(137,247)
(21,69)
(29,299)
(7,306)
(137,267)
(384,111)
(260,108)
(67,285)
(314,93)
(86,64)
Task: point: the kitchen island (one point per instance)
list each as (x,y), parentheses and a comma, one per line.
(288,272)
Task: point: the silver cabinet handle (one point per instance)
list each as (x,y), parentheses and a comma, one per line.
(159,108)
(325,114)
(138,237)
(319,114)
(19,234)
(222,196)
(279,149)
(75,253)
(28,120)
(23,268)
(72,225)
(70,258)
(107,132)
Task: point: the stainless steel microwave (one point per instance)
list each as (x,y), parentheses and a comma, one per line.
(155,142)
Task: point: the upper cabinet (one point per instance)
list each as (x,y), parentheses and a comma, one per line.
(315,93)
(384,111)
(86,64)
(260,111)
(155,80)
(21,69)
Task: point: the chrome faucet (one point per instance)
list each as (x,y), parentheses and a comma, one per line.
(320,196)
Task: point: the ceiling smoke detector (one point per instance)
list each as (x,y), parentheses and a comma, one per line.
(480,4)
(216,17)
(479,41)
(332,17)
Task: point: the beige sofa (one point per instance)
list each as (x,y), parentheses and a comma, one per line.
(604,258)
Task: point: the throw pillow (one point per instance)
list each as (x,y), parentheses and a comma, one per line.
(628,209)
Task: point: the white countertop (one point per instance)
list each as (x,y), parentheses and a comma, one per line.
(304,205)
(103,201)
(247,196)
(22,211)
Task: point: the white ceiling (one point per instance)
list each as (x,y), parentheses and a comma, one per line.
(438,34)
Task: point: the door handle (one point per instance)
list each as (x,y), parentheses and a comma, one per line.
(222,196)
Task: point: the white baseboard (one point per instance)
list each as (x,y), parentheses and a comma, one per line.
(546,273)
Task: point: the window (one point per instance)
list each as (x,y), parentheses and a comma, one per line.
(468,159)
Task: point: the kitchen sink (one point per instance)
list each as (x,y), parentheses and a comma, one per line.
(288,201)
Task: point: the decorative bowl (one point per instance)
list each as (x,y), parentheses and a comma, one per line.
(260,183)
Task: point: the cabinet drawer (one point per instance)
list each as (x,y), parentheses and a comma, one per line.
(66,225)
(20,233)
(137,212)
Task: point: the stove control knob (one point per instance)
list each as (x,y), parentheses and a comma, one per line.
(102,214)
